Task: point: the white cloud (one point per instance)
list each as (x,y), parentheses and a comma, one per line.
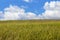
(28,0)
(1,14)
(16,13)
(52,10)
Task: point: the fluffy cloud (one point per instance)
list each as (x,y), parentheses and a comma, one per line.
(16,13)
(52,10)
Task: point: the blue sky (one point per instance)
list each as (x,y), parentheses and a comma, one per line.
(32,6)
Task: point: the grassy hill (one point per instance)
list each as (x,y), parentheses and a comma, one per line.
(30,30)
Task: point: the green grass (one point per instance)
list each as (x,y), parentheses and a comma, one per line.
(30,30)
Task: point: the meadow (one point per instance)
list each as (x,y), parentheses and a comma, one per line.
(30,30)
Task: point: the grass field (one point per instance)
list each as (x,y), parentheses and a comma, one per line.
(30,30)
